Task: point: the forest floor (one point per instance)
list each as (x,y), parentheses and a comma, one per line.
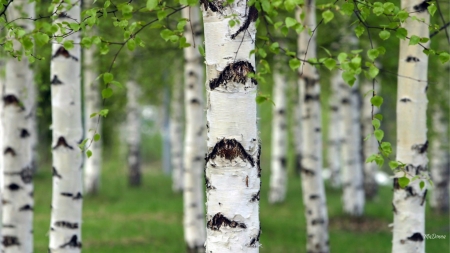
(149,219)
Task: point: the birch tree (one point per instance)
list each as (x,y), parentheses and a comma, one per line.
(233,161)
(194,149)
(409,202)
(278,174)
(176,132)
(17,181)
(312,183)
(67,133)
(133,139)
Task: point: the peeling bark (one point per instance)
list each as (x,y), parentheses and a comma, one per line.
(278,174)
(409,218)
(133,134)
(17,106)
(335,136)
(66,135)
(176,132)
(312,182)
(232,165)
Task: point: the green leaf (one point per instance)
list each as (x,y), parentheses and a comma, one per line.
(165,34)
(201,49)
(403,182)
(93,115)
(107,78)
(41,38)
(89,153)
(384,35)
(152,4)
(376,101)
(262,52)
(107,92)
(376,123)
(294,64)
(83,143)
(414,40)
(373,71)
(347,8)
(372,54)
(96,137)
(103,112)
(68,44)
(386,148)
(424,40)
(330,63)
(432,8)
(422,183)
(393,165)
(342,57)
(359,30)
(162,14)
(367,137)
(379,160)
(371,158)
(290,22)
(444,57)
(117,84)
(327,16)
(378,116)
(349,77)
(131,44)
(401,33)
(275,48)
(379,134)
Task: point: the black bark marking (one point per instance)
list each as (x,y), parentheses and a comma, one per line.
(8,226)
(55,80)
(73,196)
(14,187)
(66,224)
(283,162)
(212,5)
(13,100)
(208,184)
(394,209)
(252,16)
(281,111)
(64,53)
(63,15)
(317,221)
(25,174)
(314,196)
(230,149)
(26,208)
(73,243)
(78,196)
(334,108)
(10,151)
(255,197)
(422,6)
(191,73)
(62,142)
(416,237)
(410,192)
(234,72)
(219,220)
(405,100)
(396,184)
(195,101)
(254,242)
(317,129)
(9,241)
(24,133)
(424,197)
(55,173)
(345,101)
(309,97)
(412,59)
(308,172)
(420,148)
(258,160)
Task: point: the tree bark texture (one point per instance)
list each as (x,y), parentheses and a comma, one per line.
(65,69)
(334,132)
(194,142)
(412,143)
(176,132)
(278,174)
(17,108)
(313,188)
(133,133)
(232,164)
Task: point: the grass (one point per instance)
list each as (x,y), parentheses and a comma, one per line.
(149,218)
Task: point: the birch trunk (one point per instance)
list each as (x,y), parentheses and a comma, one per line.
(176,132)
(92,101)
(194,142)
(278,174)
(440,162)
(17,199)
(409,203)
(65,228)
(133,134)
(313,188)
(2,85)
(370,146)
(297,129)
(335,136)
(232,165)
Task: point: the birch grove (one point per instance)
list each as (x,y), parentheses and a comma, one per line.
(335,136)
(278,173)
(194,149)
(17,178)
(133,139)
(313,188)
(232,163)
(412,143)
(176,132)
(67,133)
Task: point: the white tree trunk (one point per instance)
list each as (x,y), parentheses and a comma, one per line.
(334,132)
(133,133)
(17,172)
(2,84)
(370,146)
(352,171)
(409,203)
(278,174)
(65,234)
(176,132)
(194,142)
(313,188)
(92,103)
(232,165)
(297,128)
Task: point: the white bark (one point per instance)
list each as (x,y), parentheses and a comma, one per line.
(278,174)
(297,128)
(65,234)
(232,164)
(2,83)
(409,203)
(194,142)
(370,146)
(92,102)
(17,220)
(334,132)
(313,188)
(176,132)
(133,133)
